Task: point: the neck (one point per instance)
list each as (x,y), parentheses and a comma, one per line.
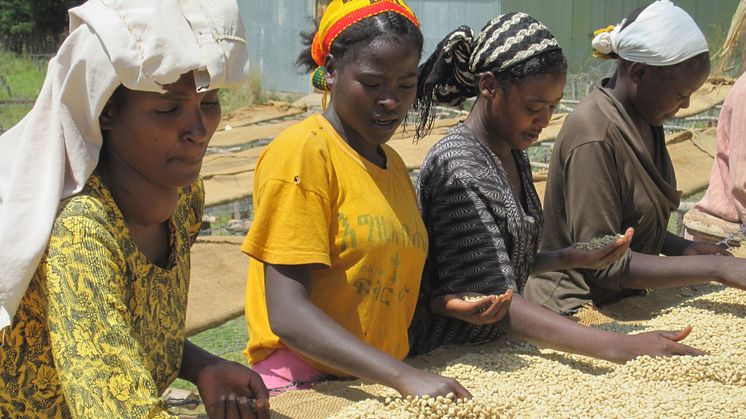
(143,203)
(620,88)
(478,124)
(371,152)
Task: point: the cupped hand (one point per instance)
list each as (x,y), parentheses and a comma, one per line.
(490,309)
(419,383)
(656,343)
(231,390)
(601,257)
(705,248)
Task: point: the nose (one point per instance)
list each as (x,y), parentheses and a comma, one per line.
(544,117)
(388,100)
(685,103)
(196,131)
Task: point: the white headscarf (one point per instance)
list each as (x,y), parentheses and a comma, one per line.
(49,155)
(663,34)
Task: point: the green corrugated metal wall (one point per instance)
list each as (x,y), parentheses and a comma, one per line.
(273,27)
(573,21)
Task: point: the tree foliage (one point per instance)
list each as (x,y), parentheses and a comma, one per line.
(34,17)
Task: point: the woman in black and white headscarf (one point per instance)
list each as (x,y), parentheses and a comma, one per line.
(478,201)
(610,168)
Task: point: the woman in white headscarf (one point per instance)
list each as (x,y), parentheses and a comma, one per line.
(100,201)
(610,169)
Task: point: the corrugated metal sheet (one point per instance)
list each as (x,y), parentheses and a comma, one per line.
(274,26)
(573,21)
(273,30)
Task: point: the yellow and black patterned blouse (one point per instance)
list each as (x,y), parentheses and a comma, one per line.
(100,331)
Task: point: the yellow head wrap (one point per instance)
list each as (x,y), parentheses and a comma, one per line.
(341,14)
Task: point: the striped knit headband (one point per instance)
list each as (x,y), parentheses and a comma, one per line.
(504,41)
(340,15)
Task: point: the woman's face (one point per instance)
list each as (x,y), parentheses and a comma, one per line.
(373,88)
(518,115)
(660,93)
(161,137)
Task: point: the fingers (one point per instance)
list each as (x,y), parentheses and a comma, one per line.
(499,305)
(460,392)
(217,410)
(628,234)
(231,407)
(724,252)
(678,348)
(688,350)
(676,336)
(245,408)
(261,396)
(261,408)
(483,305)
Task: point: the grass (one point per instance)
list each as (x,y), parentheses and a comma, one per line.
(227,341)
(20,78)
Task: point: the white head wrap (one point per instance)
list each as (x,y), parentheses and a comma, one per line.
(663,34)
(49,155)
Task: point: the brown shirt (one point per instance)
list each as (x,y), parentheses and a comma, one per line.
(602,179)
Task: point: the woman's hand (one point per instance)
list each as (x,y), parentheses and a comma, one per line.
(657,343)
(231,390)
(601,257)
(490,309)
(417,382)
(705,248)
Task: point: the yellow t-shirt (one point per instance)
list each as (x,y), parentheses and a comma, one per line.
(317,201)
(100,330)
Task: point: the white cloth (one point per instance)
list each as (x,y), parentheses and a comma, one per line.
(50,154)
(663,34)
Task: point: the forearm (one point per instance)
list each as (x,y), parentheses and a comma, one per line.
(323,340)
(318,336)
(538,325)
(652,271)
(674,245)
(548,262)
(194,360)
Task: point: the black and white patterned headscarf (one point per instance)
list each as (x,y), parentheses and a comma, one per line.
(451,73)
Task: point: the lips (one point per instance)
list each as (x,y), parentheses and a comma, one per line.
(533,135)
(385,122)
(189,160)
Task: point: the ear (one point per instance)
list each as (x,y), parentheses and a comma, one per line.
(105,119)
(330,69)
(638,72)
(488,86)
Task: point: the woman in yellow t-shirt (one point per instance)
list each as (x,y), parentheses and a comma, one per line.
(337,244)
(103,188)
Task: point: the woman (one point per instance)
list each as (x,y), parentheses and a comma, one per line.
(481,210)
(118,133)
(610,169)
(337,244)
(723,207)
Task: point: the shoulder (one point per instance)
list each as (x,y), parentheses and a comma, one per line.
(92,205)
(456,157)
(587,123)
(308,136)
(191,202)
(87,220)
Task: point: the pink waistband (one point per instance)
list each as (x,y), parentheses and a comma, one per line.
(283,370)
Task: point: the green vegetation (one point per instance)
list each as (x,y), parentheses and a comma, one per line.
(34,17)
(20,78)
(227,340)
(248,94)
